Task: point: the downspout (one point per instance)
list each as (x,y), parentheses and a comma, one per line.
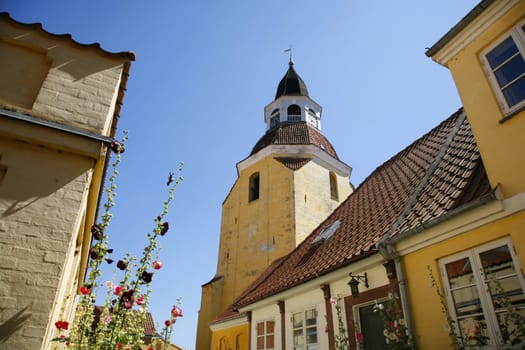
(387,250)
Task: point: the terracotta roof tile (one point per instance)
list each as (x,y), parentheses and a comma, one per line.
(434,175)
(294,134)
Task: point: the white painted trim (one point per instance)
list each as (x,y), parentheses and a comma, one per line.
(298,151)
(468,221)
(492,14)
(361,265)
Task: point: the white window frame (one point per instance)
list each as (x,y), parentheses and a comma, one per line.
(306,345)
(265,334)
(487,306)
(518,36)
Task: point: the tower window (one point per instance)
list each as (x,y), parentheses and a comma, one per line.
(275,118)
(294,113)
(333,187)
(254,187)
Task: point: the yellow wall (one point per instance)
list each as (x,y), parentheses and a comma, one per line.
(426,309)
(236,337)
(501,144)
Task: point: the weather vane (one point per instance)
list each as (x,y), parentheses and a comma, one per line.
(290,51)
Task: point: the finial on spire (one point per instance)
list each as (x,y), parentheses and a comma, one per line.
(290,51)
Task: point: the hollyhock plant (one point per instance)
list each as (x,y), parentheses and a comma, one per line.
(119,323)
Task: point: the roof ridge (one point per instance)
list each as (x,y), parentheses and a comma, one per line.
(426,178)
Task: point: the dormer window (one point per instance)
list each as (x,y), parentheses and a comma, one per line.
(253,187)
(294,113)
(505,66)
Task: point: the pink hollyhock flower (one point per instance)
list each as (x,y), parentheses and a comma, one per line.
(84,290)
(140,299)
(332,301)
(107,319)
(360,337)
(118,289)
(176,311)
(157,265)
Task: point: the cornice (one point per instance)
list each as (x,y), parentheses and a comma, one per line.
(467,30)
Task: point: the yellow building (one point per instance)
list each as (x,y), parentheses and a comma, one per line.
(478,253)
(291,181)
(59,106)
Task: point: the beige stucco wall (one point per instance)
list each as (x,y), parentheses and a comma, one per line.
(57,99)
(49,77)
(42,201)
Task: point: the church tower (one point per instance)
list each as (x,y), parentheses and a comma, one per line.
(290,182)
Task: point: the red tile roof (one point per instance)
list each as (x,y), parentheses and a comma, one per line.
(293,163)
(433,176)
(295,134)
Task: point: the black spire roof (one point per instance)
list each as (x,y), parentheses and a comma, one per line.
(291,84)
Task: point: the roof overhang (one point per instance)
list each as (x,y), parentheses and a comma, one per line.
(297,151)
(486,13)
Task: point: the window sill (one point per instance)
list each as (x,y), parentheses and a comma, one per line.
(511,115)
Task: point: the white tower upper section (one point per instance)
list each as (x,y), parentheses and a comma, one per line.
(292,103)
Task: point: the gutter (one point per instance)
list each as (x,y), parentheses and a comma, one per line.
(462,24)
(52,125)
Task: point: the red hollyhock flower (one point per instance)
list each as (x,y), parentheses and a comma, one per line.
(62,325)
(176,311)
(140,299)
(119,346)
(85,290)
(167,323)
(360,337)
(118,289)
(157,265)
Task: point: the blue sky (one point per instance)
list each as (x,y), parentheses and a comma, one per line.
(196,93)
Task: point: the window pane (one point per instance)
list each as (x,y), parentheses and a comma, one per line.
(260,328)
(260,343)
(270,326)
(297,320)
(497,262)
(298,338)
(507,292)
(269,342)
(509,326)
(459,273)
(310,317)
(466,301)
(502,52)
(311,335)
(510,70)
(515,93)
(474,331)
